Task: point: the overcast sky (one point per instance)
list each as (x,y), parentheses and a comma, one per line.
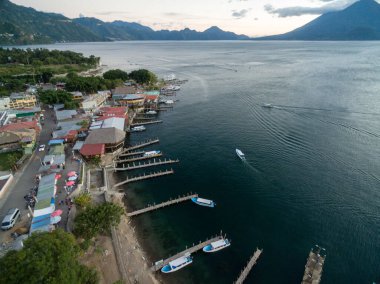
(250,17)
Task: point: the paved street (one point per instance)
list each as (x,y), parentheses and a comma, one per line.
(24,180)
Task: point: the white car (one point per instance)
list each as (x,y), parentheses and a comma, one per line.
(41,148)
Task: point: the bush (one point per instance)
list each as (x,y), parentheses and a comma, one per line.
(83,200)
(97,219)
(143,76)
(116,74)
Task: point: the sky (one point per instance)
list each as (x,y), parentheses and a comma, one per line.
(249,17)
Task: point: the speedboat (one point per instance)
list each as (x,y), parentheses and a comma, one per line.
(177,264)
(267,105)
(151,153)
(240,154)
(203,202)
(218,245)
(138,128)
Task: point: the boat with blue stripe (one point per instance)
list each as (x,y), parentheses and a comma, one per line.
(177,264)
(216,246)
(203,202)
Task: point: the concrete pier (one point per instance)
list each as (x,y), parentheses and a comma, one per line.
(138,158)
(146,123)
(244,273)
(145,165)
(141,145)
(314,266)
(145,176)
(161,205)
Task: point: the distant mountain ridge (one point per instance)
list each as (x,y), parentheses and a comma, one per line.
(21,25)
(360,21)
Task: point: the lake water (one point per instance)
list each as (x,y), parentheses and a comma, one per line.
(313,171)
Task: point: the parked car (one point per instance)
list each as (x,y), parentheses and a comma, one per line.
(10,219)
(41,148)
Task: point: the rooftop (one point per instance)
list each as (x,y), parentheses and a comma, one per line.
(105,136)
(92,149)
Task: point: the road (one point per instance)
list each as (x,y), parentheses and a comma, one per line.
(24,179)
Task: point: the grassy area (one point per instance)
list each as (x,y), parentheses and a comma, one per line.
(7,160)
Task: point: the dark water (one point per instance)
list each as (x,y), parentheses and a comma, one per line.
(313,172)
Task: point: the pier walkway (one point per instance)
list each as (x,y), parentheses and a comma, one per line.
(131,154)
(145,165)
(146,123)
(138,158)
(141,145)
(161,205)
(314,266)
(244,273)
(161,263)
(145,176)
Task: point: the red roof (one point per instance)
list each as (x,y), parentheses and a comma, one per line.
(113,111)
(21,125)
(151,97)
(92,149)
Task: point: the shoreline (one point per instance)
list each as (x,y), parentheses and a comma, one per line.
(135,260)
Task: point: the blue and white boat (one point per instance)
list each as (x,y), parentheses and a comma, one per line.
(218,245)
(203,202)
(177,264)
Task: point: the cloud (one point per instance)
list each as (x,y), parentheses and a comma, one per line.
(240,14)
(336,5)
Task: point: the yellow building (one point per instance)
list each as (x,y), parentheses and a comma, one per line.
(22,100)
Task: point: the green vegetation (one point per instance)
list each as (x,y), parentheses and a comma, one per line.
(143,76)
(58,97)
(46,258)
(116,74)
(97,219)
(20,67)
(8,160)
(83,200)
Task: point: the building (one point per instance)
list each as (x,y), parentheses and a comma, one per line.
(89,151)
(65,114)
(93,102)
(3,118)
(9,140)
(117,122)
(131,100)
(4,103)
(22,100)
(112,138)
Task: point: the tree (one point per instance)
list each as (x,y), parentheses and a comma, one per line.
(57,97)
(97,219)
(83,200)
(143,76)
(46,258)
(115,74)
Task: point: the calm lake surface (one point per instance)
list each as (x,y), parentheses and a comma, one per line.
(313,170)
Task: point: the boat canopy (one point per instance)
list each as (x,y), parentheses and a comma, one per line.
(219,243)
(202,200)
(179,261)
(239,152)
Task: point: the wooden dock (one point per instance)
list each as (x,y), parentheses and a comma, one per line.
(146,165)
(131,154)
(141,145)
(244,273)
(146,123)
(161,263)
(153,207)
(145,176)
(138,158)
(314,266)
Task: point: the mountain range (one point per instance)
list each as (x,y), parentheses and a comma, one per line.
(360,21)
(21,25)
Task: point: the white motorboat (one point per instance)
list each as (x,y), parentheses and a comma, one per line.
(240,154)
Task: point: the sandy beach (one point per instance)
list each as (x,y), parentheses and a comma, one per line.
(134,264)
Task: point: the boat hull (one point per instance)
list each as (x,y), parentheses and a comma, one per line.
(240,154)
(209,248)
(194,199)
(168,269)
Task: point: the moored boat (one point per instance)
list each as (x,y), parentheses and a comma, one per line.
(203,202)
(151,112)
(218,245)
(138,129)
(151,153)
(177,264)
(240,154)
